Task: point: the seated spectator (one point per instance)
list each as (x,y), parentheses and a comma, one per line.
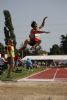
(18,61)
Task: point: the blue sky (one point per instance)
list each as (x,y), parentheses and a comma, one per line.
(23,12)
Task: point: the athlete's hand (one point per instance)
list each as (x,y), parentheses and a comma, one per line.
(47,32)
(45,17)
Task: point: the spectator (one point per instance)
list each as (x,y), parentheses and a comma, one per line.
(18,61)
(2,62)
(29,64)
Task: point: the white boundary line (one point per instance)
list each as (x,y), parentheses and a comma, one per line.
(26,78)
(35,80)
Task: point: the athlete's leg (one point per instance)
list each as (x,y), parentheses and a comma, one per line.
(25,44)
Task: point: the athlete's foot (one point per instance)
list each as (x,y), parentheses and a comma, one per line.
(32,50)
(33,47)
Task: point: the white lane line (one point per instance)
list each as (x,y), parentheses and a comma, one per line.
(55,73)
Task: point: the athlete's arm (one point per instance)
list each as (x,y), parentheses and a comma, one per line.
(36,32)
(43,23)
(10,50)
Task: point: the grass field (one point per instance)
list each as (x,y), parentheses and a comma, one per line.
(21,72)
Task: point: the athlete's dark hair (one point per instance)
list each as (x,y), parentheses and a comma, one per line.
(33,24)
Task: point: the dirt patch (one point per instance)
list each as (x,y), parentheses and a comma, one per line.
(33,91)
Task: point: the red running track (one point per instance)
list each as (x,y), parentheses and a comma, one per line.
(51,73)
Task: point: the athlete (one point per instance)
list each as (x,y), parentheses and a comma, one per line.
(34,38)
(11,56)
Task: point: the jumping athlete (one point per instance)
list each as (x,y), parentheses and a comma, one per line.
(34,38)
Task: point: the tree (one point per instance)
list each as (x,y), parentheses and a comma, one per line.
(1,48)
(8,29)
(55,50)
(64,43)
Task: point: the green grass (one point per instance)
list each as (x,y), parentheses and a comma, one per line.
(20,74)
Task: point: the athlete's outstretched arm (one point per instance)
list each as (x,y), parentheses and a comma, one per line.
(39,32)
(43,22)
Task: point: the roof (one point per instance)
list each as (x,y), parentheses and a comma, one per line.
(46,57)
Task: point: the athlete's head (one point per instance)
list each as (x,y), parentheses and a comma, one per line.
(33,24)
(10,41)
